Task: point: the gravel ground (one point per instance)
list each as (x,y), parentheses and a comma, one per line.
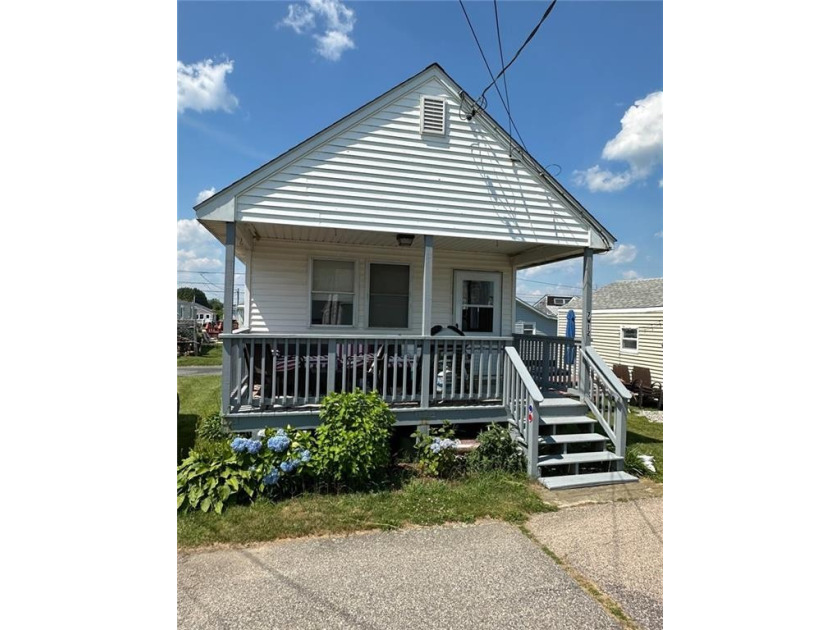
(475,576)
(616,545)
(654,415)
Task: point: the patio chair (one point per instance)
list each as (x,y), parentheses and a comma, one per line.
(623,374)
(646,389)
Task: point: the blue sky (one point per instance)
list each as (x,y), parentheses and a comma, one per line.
(256,78)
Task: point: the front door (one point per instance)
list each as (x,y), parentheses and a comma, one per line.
(478,302)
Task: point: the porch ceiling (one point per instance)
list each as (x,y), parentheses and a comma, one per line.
(248,231)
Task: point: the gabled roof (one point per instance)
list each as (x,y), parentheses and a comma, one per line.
(535,309)
(220,207)
(647,293)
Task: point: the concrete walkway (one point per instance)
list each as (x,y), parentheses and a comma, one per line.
(200,370)
(487,575)
(616,545)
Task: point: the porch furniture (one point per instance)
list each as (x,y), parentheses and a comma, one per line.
(645,388)
(623,374)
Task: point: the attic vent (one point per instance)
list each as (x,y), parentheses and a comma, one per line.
(434,116)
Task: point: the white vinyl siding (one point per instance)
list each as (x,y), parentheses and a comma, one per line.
(279,284)
(606,337)
(382,174)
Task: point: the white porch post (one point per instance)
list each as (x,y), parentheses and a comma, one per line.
(586,316)
(428,254)
(227,344)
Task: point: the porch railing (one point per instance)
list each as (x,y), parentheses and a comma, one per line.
(553,362)
(522,398)
(606,397)
(278,371)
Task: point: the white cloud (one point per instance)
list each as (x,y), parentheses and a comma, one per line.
(546,272)
(198,250)
(660,183)
(639,144)
(333,21)
(205,194)
(333,44)
(202,87)
(630,275)
(597,179)
(659,233)
(620,255)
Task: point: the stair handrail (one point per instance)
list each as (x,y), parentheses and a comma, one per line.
(609,403)
(523,409)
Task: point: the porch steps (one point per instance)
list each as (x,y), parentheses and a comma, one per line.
(572,438)
(591,479)
(565,426)
(577,458)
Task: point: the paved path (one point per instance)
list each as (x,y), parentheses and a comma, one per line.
(473,576)
(616,545)
(200,370)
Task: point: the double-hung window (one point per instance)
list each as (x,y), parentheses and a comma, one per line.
(388,297)
(333,293)
(629,339)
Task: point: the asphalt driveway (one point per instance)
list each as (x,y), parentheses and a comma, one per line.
(487,575)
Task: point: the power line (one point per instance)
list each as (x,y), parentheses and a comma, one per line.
(502,59)
(525,43)
(551,284)
(490,72)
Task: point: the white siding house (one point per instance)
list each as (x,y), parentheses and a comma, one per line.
(382,253)
(627,324)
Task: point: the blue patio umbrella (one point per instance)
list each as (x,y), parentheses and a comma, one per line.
(569,358)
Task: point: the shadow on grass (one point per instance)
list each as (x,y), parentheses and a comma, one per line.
(187,422)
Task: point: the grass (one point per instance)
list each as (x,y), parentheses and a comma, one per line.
(646,436)
(419,502)
(210,355)
(200,396)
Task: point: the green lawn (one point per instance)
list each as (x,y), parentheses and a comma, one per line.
(647,437)
(419,502)
(210,355)
(200,396)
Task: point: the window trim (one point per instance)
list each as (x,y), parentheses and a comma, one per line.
(621,339)
(355,262)
(402,263)
(458,276)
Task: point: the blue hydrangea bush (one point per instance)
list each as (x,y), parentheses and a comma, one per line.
(275,465)
(436,452)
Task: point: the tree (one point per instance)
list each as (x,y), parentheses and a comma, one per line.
(188,294)
(218,308)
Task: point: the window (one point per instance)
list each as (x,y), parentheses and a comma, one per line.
(388,299)
(477,300)
(529,329)
(629,339)
(333,292)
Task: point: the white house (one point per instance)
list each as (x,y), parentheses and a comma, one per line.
(382,253)
(627,324)
(198,312)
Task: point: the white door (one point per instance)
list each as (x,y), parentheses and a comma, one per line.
(478,302)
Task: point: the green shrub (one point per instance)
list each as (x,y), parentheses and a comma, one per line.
(496,451)
(352,443)
(436,455)
(212,428)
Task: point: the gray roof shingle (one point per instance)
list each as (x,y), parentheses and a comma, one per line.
(645,293)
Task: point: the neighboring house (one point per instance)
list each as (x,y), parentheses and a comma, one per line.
(193,310)
(531,321)
(382,252)
(551,304)
(627,322)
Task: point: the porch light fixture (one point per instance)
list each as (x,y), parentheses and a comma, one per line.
(405,240)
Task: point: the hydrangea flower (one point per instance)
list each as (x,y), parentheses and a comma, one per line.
(435,447)
(447,443)
(279,443)
(286,467)
(272,477)
(239,445)
(305,455)
(253,446)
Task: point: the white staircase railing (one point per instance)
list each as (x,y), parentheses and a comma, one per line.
(606,397)
(521,397)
